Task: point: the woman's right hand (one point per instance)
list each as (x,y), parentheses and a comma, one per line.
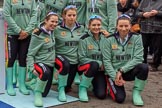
(22,35)
(119,79)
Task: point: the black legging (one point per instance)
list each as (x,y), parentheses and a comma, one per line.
(99,82)
(45,74)
(18,48)
(64,67)
(140,71)
(100,85)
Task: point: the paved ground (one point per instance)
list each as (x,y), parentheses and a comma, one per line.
(152,95)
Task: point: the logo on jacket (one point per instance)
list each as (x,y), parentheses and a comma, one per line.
(114,46)
(63,33)
(46,40)
(90,47)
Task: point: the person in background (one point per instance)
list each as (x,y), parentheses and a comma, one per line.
(107,9)
(67,36)
(56,6)
(81,12)
(129,7)
(41,57)
(21,19)
(122,59)
(41,12)
(150,14)
(90,60)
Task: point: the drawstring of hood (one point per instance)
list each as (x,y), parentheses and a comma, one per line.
(54,2)
(22,2)
(93,2)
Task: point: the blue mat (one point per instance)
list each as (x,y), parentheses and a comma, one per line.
(27,101)
(4,105)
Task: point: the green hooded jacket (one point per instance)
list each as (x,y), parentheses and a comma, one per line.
(117,56)
(67,41)
(90,49)
(41,49)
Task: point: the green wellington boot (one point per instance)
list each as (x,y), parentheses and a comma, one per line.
(39,89)
(21,80)
(84,85)
(77,79)
(62,82)
(9,77)
(15,69)
(31,84)
(138,88)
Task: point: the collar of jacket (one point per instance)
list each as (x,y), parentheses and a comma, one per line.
(63,24)
(116,35)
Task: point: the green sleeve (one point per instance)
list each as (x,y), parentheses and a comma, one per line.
(43,14)
(112,15)
(33,19)
(35,44)
(82,52)
(8,17)
(137,56)
(107,58)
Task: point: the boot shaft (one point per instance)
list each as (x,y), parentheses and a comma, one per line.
(40,85)
(85,81)
(139,84)
(62,80)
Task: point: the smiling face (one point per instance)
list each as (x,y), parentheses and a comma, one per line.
(51,22)
(95,26)
(123,27)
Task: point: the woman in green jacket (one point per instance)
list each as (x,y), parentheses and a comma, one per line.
(81,11)
(67,36)
(122,58)
(90,60)
(20,16)
(41,57)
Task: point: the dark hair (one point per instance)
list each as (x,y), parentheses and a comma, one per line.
(49,14)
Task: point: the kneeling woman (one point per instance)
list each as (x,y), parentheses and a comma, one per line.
(90,59)
(41,56)
(122,58)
